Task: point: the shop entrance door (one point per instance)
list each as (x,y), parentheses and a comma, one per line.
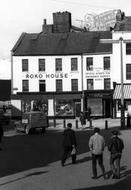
(77,109)
(107,108)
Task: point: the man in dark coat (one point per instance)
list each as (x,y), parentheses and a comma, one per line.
(69,142)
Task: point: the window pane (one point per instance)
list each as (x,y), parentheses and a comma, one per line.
(59,85)
(42,86)
(89,63)
(90,85)
(25,85)
(107,84)
(128,71)
(74,84)
(41,64)
(24,64)
(106,63)
(74,64)
(128,48)
(58,64)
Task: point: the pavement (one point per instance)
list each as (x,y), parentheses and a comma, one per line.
(74,177)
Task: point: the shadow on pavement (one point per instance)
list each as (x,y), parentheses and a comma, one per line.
(19,178)
(118,185)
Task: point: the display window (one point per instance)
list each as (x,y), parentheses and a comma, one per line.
(64,108)
(34,105)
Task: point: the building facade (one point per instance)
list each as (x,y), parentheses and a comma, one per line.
(63,71)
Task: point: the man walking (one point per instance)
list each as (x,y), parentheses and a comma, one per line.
(69,143)
(115,146)
(96,145)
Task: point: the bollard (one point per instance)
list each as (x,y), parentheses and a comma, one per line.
(54,122)
(90,122)
(64,123)
(106,124)
(76,123)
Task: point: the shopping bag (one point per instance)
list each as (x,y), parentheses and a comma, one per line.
(73,151)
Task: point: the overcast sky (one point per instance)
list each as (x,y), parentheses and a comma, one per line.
(17,16)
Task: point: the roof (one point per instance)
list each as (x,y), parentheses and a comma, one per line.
(126,89)
(71,43)
(124,25)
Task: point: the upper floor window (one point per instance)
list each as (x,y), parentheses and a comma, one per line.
(106,63)
(41,64)
(74,84)
(74,64)
(42,85)
(24,64)
(90,85)
(58,64)
(58,85)
(128,48)
(25,86)
(107,83)
(128,71)
(89,63)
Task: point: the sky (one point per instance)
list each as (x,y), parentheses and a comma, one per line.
(17,16)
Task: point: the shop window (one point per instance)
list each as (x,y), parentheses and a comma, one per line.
(35,105)
(25,86)
(41,64)
(42,85)
(107,83)
(63,107)
(74,84)
(89,63)
(90,85)
(24,65)
(128,48)
(128,71)
(106,63)
(58,64)
(58,85)
(74,64)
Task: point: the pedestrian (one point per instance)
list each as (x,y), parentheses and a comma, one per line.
(96,145)
(82,119)
(69,144)
(115,146)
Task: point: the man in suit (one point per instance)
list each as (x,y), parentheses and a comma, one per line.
(69,143)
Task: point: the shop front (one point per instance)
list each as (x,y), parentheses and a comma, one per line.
(100,103)
(117,99)
(54,105)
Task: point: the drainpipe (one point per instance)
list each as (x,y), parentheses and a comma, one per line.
(11,72)
(82,86)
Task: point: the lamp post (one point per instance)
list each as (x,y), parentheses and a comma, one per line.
(120,41)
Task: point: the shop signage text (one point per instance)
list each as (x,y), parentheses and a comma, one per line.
(98,75)
(52,75)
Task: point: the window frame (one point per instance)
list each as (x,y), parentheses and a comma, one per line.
(58,64)
(25,65)
(23,86)
(92,85)
(109,83)
(89,63)
(128,73)
(74,84)
(44,83)
(74,64)
(41,65)
(59,85)
(106,61)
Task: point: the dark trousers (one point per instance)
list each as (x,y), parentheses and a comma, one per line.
(99,159)
(115,164)
(67,151)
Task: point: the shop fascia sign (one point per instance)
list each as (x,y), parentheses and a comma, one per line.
(98,74)
(51,75)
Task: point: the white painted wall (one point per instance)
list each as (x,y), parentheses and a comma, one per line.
(5,69)
(116,71)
